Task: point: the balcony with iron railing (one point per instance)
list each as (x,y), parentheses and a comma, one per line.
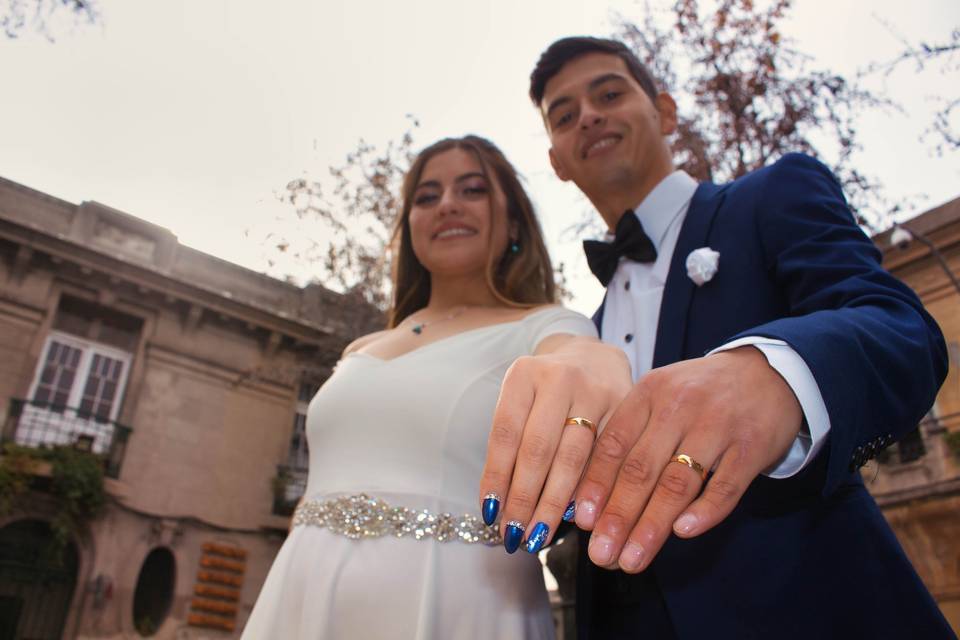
(922,464)
(36,424)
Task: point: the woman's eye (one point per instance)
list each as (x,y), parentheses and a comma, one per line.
(475,190)
(425,198)
(610,95)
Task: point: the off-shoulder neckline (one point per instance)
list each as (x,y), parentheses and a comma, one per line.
(486,327)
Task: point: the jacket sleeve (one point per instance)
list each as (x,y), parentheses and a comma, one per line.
(876,354)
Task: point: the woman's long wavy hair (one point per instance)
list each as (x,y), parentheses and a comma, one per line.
(521,278)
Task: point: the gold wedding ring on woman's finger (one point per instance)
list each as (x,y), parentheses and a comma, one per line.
(583,422)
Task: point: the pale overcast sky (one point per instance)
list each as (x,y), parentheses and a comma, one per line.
(194,114)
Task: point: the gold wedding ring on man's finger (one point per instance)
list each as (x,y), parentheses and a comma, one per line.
(683,458)
(583,422)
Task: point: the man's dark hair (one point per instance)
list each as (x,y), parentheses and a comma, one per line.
(563,51)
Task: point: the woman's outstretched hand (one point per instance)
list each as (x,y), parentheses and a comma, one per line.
(534,458)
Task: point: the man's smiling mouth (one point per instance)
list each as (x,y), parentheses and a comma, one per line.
(600,145)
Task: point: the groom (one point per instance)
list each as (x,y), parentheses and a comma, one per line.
(772,357)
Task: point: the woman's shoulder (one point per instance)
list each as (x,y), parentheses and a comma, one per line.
(549,312)
(546,320)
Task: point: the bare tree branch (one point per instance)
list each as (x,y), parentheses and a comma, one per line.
(746,97)
(945,55)
(18,16)
(356,217)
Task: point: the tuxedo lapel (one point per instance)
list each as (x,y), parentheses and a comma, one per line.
(679,288)
(598,315)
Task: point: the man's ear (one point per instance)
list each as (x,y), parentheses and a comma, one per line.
(558,167)
(667,109)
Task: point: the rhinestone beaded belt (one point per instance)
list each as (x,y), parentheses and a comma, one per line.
(361,516)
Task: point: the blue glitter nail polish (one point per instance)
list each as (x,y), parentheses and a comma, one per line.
(571,512)
(537,537)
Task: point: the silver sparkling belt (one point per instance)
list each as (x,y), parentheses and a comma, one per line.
(360,516)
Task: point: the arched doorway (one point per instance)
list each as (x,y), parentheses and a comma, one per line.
(154,592)
(36,583)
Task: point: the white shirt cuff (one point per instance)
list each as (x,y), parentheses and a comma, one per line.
(798,376)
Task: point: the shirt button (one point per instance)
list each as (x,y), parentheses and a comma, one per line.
(628,337)
(626,285)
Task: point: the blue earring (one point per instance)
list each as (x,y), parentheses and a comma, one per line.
(514,247)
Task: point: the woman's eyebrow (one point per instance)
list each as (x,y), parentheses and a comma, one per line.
(436,183)
(472,174)
(429,183)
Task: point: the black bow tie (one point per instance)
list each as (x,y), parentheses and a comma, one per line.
(630,241)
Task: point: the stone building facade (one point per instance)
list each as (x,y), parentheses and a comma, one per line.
(190,376)
(917,481)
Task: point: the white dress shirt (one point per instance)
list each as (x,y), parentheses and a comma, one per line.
(632,310)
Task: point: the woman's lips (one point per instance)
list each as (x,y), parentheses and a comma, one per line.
(454,232)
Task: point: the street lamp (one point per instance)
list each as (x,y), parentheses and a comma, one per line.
(901,237)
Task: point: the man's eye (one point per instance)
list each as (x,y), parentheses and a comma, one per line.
(563,119)
(610,96)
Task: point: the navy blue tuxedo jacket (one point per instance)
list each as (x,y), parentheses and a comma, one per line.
(810,556)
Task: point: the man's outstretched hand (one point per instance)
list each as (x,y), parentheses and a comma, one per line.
(729,411)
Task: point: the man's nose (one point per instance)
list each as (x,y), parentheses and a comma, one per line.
(590,117)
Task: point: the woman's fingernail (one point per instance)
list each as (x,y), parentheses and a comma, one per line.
(537,537)
(586,514)
(601,550)
(571,511)
(685,524)
(513,536)
(491,507)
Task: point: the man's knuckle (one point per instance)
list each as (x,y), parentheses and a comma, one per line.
(739,451)
(611,446)
(637,470)
(592,485)
(722,492)
(643,389)
(690,392)
(648,381)
(675,486)
(615,518)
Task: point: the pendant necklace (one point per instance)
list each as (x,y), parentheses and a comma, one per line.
(418,327)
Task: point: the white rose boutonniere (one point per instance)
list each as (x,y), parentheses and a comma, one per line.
(702,265)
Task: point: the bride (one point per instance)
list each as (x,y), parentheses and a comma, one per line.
(388,541)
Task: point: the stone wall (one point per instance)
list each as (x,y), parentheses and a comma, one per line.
(921,498)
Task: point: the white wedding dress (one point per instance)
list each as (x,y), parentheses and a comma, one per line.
(411,432)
